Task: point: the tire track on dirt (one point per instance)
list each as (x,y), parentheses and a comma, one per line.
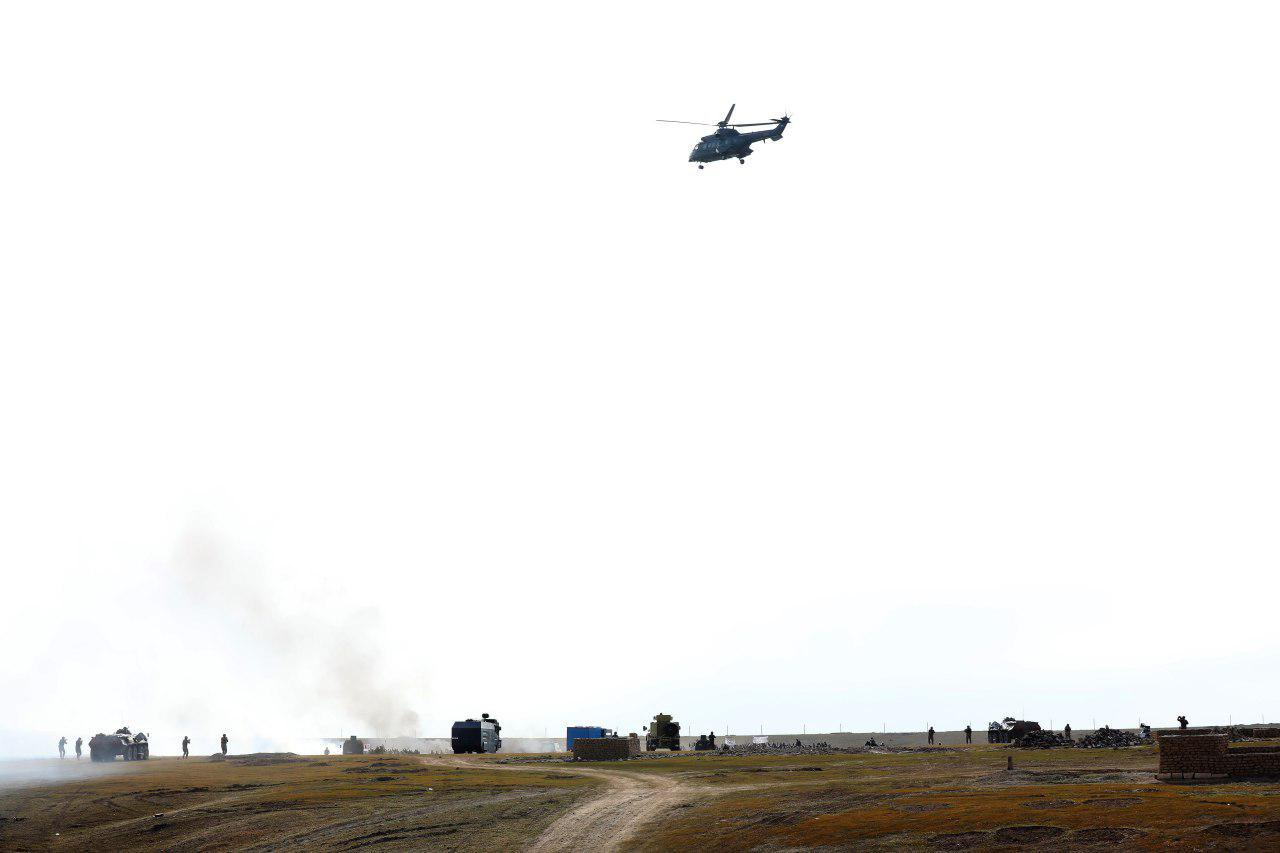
(609,818)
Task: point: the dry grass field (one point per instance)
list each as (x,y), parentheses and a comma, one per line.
(944,799)
(966,799)
(331,802)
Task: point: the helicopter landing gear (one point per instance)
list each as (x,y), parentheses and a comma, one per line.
(742,160)
(700,166)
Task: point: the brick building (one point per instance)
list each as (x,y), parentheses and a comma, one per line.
(1201,754)
(605,748)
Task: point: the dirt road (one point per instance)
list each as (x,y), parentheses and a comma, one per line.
(608,819)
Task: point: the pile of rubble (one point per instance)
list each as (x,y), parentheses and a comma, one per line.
(1104,738)
(1043,739)
(774,748)
(1109,738)
(811,748)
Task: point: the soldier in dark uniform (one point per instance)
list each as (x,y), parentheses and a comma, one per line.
(712,740)
(968,733)
(1182,722)
(1067,731)
(186,742)
(79,744)
(930,734)
(224,743)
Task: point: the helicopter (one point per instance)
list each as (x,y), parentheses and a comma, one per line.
(727,143)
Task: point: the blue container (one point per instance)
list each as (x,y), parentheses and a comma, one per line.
(573,732)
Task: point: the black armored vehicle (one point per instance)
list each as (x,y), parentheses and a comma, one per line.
(1010,730)
(477,735)
(120,744)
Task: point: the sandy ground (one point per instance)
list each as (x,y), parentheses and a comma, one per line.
(276,801)
(607,820)
(940,799)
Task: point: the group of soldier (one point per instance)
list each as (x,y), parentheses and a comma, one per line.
(186,745)
(62,747)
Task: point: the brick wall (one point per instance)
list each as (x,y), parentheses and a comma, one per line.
(605,748)
(1254,731)
(1212,753)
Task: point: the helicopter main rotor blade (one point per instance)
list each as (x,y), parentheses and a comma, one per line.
(751,124)
(677,121)
(728,116)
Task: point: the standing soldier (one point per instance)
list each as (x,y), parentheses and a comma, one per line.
(186,741)
(1067,731)
(224,743)
(968,733)
(62,747)
(79,743)
(931,735)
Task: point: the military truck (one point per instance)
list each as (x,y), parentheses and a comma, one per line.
(121,744)
(480,735)
(663,733)
(353,746)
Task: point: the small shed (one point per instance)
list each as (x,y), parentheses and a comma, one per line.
(609,748)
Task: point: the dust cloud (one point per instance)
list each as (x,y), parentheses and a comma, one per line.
(327,670)
(25,773)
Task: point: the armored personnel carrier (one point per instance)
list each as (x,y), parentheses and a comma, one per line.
(663,733)
(353,746)
(122,744)
(480,735)
(1010,730)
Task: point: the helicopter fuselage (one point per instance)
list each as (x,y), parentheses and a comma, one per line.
(727,143)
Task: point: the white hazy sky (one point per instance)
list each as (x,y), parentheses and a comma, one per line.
(369,360)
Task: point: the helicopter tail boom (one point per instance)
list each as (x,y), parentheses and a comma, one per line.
(773,134)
